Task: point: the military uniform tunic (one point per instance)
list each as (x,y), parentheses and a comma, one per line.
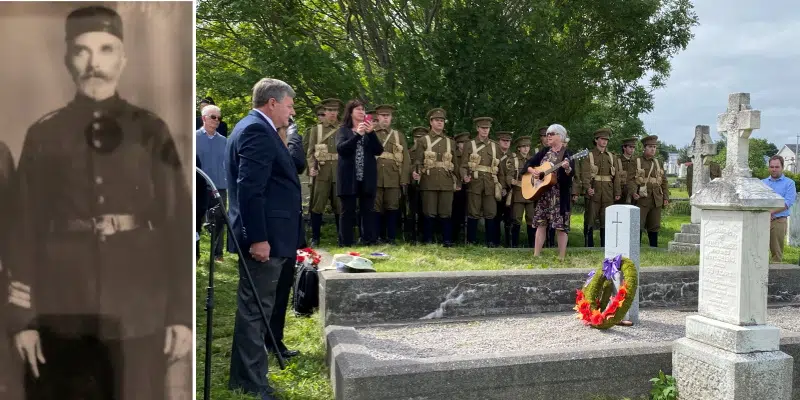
(650,175)
(599,172)
(481,162)
(627,178)
(321,154)
(519,205)
(394,170)
(435,160)
(102,241)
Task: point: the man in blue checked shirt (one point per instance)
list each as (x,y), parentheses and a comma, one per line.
(786,189)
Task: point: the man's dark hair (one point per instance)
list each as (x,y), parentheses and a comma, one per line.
(776,157)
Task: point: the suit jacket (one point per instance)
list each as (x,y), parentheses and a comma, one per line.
(295,145)
(264,190)
(346,143)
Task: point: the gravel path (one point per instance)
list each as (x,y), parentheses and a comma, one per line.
(539,332)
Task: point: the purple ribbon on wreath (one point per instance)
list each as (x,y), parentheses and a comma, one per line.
(611,266)
(589,279)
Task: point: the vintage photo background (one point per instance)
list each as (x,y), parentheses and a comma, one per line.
(159,76)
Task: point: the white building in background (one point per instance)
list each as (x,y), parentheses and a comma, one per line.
(789,154)
(672,164)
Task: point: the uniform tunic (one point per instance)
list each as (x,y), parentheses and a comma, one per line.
(605,182)
(394,170)
(102,237)
(515,168)
(627,178)
(656,183)
(436,164)
(481,161)
(325,159)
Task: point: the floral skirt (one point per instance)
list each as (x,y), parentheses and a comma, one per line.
(548,211)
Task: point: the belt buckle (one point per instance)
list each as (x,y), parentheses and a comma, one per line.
(105,225)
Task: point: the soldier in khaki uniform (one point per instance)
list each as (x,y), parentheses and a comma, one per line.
(600,185)
(514,169)
(651,193)
(503,211)
(459,218)
(627,171)
(480,170)
(322,160)
(435,158)
(394,173)
(414,218)
(319,111)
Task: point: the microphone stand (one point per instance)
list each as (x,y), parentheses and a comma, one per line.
(216,215)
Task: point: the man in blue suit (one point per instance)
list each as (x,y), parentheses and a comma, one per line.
(265,214)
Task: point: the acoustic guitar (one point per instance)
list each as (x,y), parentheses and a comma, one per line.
(533,189)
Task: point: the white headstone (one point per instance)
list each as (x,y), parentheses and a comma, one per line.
(794,224)
(728,343)
(623,237)
(702,148)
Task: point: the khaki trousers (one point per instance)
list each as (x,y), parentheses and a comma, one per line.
(777,238)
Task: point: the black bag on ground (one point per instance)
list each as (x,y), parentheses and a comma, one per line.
(306,291)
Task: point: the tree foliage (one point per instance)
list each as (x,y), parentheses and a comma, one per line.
(583,63)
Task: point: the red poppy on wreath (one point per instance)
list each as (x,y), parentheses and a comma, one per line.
(354,253)
(595,304)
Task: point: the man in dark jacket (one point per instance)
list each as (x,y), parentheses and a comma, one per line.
(100,250)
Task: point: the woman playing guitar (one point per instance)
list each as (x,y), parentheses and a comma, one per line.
(553,207)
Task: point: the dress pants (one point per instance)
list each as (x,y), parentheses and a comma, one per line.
(248,355)
(88,368)
(220,228)
(366,203)
(278,318)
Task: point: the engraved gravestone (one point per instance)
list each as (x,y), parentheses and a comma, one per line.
(728,352)
(622,227)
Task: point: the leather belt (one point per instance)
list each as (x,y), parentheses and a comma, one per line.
(104,225)
(602,178)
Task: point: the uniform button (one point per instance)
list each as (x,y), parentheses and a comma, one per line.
(102,238)
(96,125)
(97,114)
(97,143)
(98,180)
(101,199)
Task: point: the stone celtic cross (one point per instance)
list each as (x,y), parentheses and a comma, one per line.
(702,148)
(736,125)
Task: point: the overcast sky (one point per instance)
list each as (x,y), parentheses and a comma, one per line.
(738,46)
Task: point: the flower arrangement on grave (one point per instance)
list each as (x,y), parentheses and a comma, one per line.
(308,257)
(602,303)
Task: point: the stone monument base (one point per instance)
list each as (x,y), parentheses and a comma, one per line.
(705,372)
(688,239)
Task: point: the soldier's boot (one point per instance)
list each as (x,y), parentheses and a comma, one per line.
(472,231)
(531,236)
(509,230)
(336,218)
(653,236)
(391,226)
(589,237)
(490,232)
(427,230)
(551,237)
(447,232)
(602,237)
(515,235)
(316,225)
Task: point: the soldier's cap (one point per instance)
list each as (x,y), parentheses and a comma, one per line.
(385,109)
(419,131)
(93,19)
(604,133)
(504,135)
(370,112)
(436,113)
(543,130)
(522,141)
(332,104)
(319,110)
(483,122)
(462,137)
(208,100)
(652,139)
(629,141)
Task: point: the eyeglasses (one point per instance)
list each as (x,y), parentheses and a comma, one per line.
(214,117)
(552,134)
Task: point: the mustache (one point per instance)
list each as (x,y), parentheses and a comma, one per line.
(94,73)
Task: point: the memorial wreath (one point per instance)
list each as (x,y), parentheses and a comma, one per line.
(602,302)
(308,257)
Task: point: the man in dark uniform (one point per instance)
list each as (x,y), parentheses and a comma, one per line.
(102,234)
(459,218)
(503,211)
(414,217)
